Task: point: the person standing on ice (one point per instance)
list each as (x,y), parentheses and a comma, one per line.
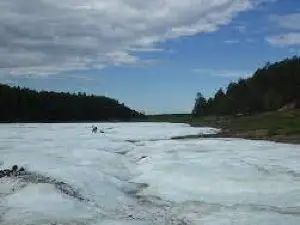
(94,130)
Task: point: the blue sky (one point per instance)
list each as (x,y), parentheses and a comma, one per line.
(157,64)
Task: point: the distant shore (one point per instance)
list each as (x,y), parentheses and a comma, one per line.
(258,135)
(278,126)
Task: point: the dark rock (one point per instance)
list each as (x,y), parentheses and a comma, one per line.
(15,167)
(2,174)
(13,172)
(143,157)
(6,172)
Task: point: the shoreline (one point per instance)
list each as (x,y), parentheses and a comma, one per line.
(284,139)
(276,126)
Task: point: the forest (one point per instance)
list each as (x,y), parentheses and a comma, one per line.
(25,105)
(275,86)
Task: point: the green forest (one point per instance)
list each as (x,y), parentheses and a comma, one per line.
(273,87)
(25,105)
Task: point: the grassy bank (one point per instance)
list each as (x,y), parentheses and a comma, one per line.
(281,126)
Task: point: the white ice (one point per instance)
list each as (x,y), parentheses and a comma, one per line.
(132,174)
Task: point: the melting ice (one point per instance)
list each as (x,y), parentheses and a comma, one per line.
(134,174)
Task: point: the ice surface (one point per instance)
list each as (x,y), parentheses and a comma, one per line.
(132,174)
(221,171)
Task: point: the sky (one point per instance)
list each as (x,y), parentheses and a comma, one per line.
(153,56)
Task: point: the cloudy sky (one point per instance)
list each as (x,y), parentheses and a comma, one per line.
(151,55)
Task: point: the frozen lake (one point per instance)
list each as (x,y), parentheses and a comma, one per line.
(134,174)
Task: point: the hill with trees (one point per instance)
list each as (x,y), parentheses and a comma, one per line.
(271,88)
(25,105)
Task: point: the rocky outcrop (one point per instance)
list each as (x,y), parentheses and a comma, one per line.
(35,178)
(14,171)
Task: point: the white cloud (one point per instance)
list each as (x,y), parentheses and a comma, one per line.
(51,36)
(288,39)
(289,21)
(229,73)
(233,41)
(145,49)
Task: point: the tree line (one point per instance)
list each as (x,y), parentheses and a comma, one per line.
(270,88)
(25,105)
